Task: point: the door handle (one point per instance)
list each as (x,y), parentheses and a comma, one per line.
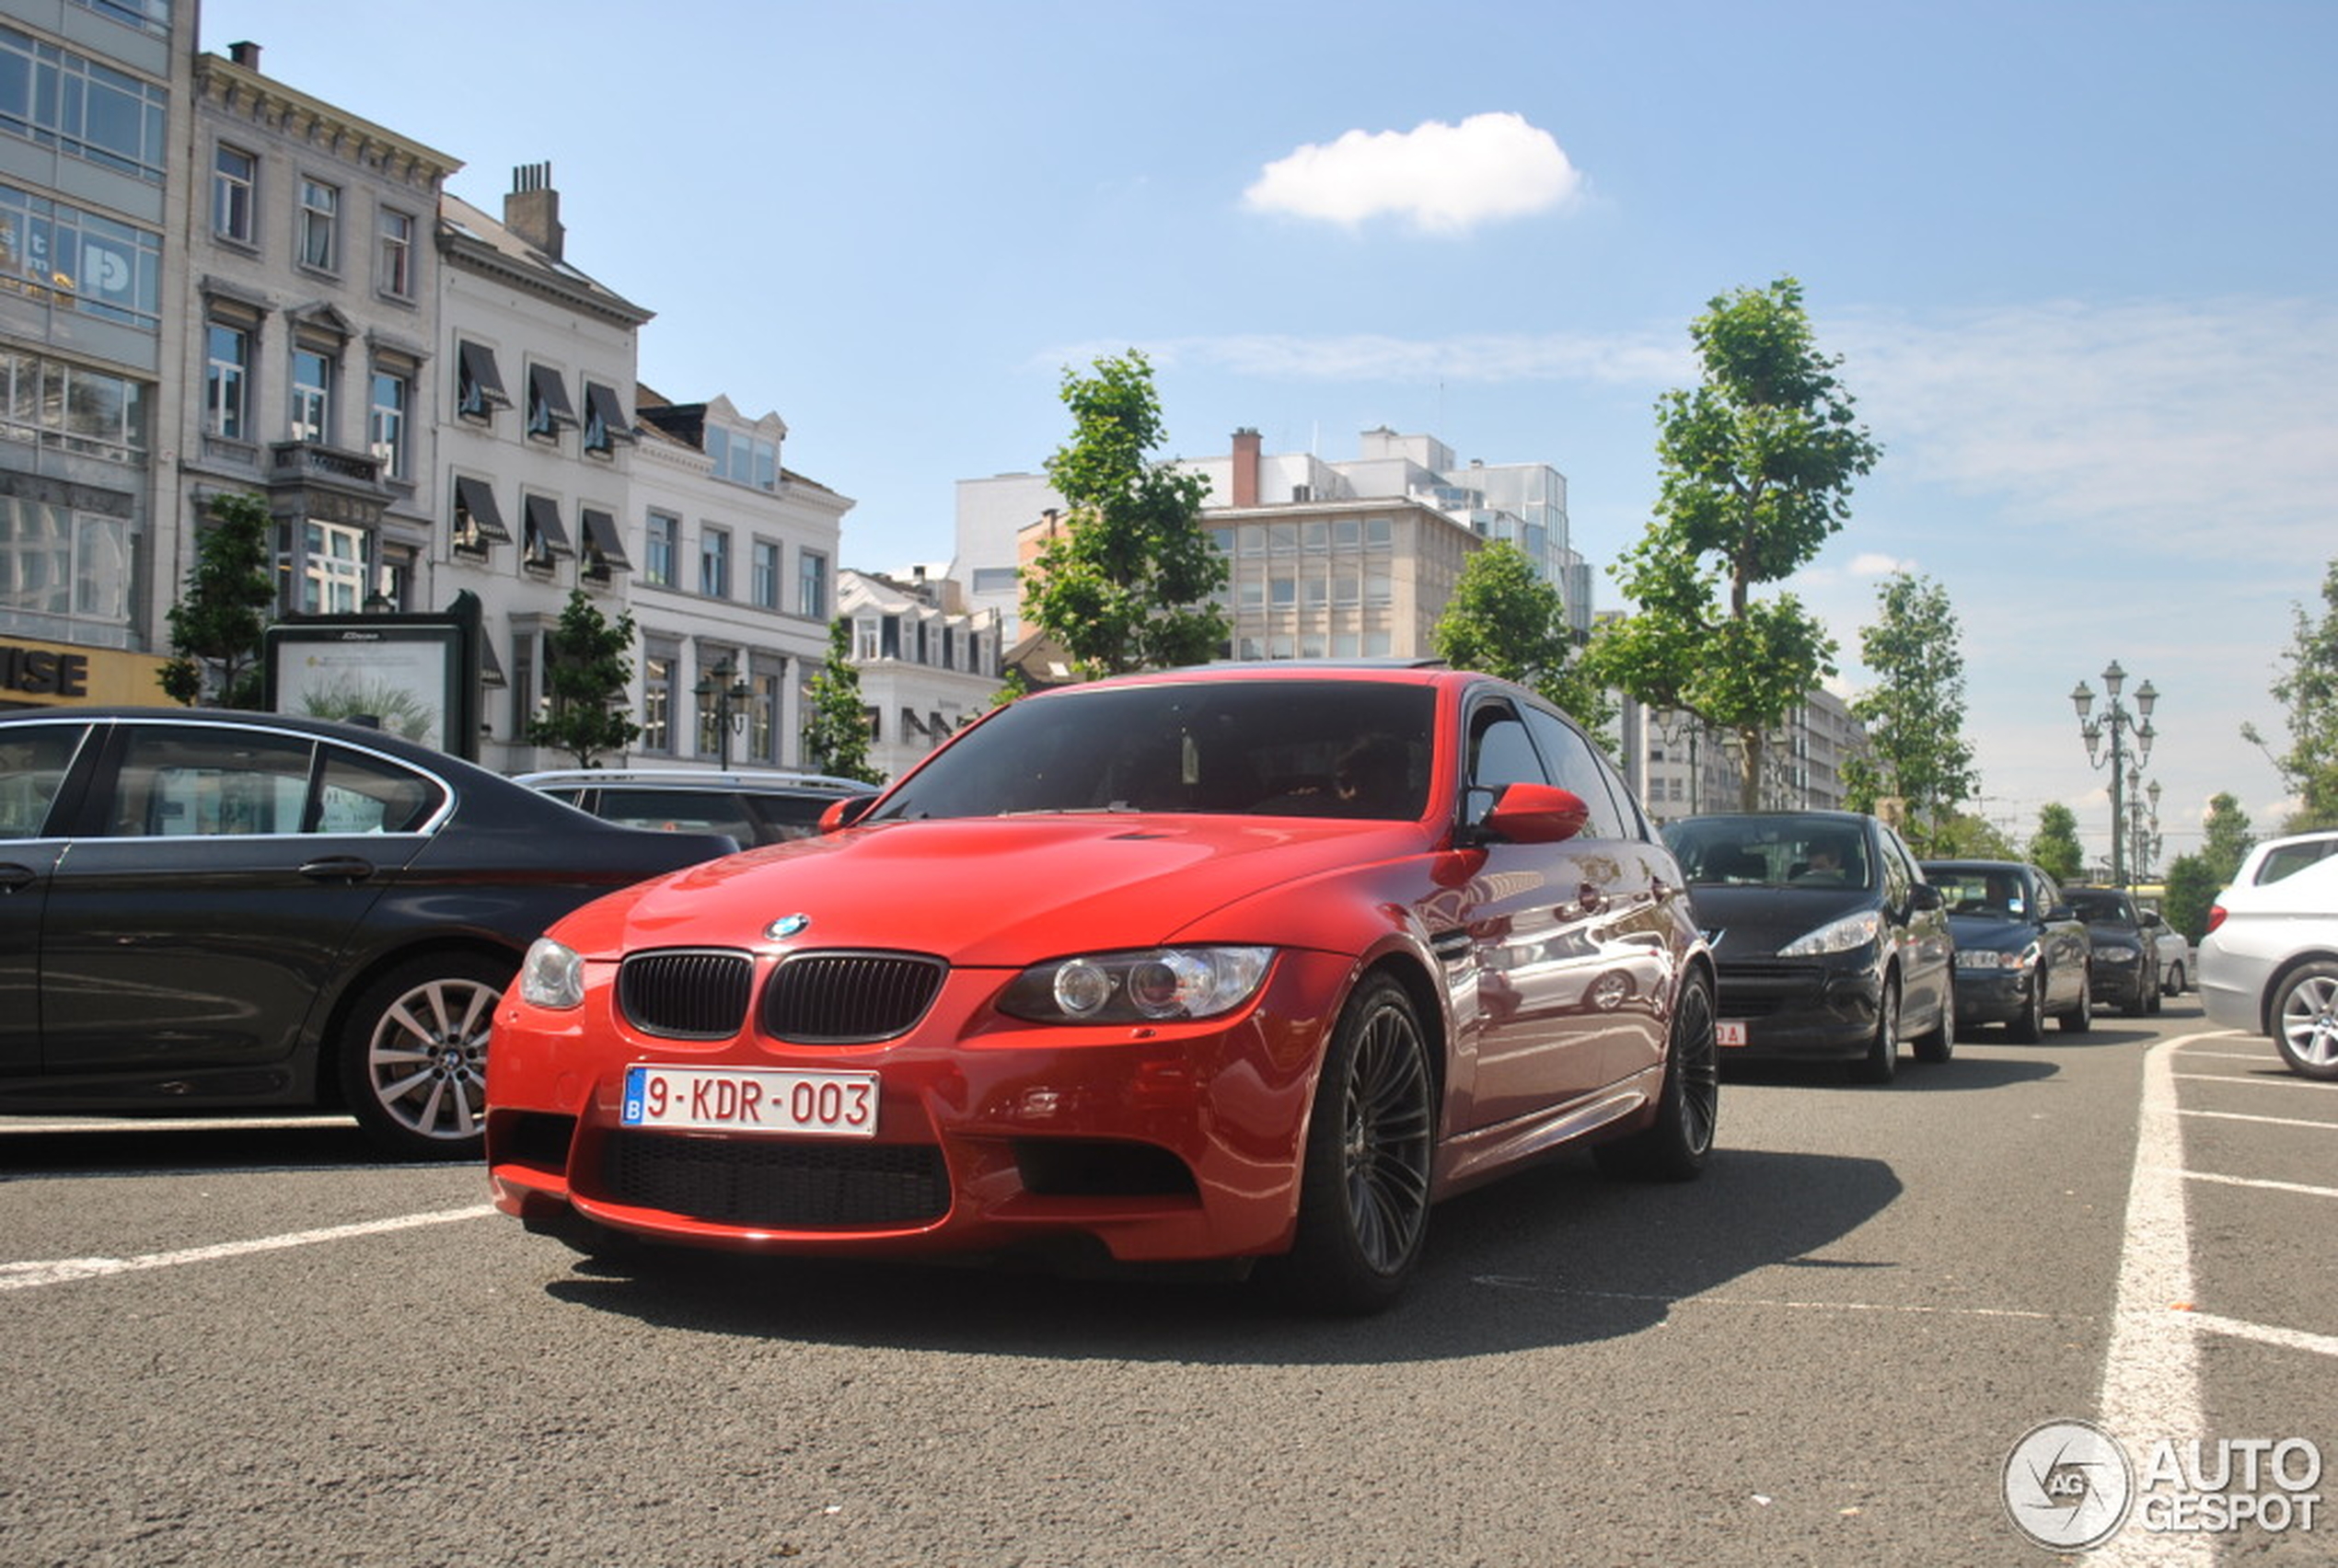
(338,867)
(13,876)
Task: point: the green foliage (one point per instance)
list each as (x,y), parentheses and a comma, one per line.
(1013,689)
(2192,891)
(1128,583)
(2308,690)
(1915,717)
(836,728)
(215,626)
(1507,621)
(2226,840)
(2054,847)
(1755,467)
(1959,836)
(585,666)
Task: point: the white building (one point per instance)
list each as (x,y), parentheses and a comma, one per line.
(1682,767)
(927,665)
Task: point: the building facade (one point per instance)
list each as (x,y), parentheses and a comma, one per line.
(1683,768)
(927,664)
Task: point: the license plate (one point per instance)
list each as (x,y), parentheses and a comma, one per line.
(834,1105)
(1730,1031)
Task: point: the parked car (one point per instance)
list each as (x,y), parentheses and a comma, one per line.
(2022,953)
(751,806)
(2126,948)
(2269,962)
(203,909)
(2174,951)
(1245,963)
(1827,939)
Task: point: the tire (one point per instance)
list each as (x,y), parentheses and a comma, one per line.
(1675,1145)
(2175,981)
(1937,1043)
(2030,1027)
(2304,1017)
(2148,987)
(2080,1018)
(413,1054)
(1363,1195)
(1882,1063)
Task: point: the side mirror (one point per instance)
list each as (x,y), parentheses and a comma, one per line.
(2151,921)
(1926,896)
(841,815)
(1537,814)
(2058,913)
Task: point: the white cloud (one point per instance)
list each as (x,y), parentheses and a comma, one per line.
(1876,564)
(1443,178)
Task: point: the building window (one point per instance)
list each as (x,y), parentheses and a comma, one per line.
(79,260)
(479,520)
(235,189)
(658,543)
(864,638)
(543,539)
(333,574)
(226,381)
(54,403)
(57,561)
(763,574)
(714,563)
(548,411)
(146,16)
(743,459)
(605,423)
(312,391)
(658,665)
(394,232)
(92,112)
(478,385)
(601,549)
(812,584)
(319,236)
(386,425)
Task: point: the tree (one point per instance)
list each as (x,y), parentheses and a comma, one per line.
(217,625)
(1507,620)
(2054,847)
(2191,893)
(1915,717)
(2309,691)
(1959,836)
(836,730)
(585,666)
(1755,466)
(1128,584)
(2226,840)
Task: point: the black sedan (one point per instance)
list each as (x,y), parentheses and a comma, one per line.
(1829,941)
(2126,949)
(203,909)
(2022,953)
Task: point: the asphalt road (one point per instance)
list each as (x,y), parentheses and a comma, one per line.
(256,1344)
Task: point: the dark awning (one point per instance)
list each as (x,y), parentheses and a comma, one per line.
(545,534)
(479,369)
(601,407)
(550,392)
(602,539)
(477,517)
(491,668)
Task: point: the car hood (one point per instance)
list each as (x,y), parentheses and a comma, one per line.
(2115,936)
(1748,922)
(1001,891)
(1986,933)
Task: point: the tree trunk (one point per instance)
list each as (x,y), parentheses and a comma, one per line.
(1749,787)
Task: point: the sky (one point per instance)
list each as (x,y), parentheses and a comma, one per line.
(2075,257)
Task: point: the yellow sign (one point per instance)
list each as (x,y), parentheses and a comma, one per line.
(64,674)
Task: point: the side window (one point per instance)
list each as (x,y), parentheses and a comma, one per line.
(1500,754)
(1574,766)
(183,783)
(1899,871)
(33,760)
(364,794)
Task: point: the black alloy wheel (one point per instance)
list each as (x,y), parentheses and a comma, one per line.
(1882,1063)
(1675,1145)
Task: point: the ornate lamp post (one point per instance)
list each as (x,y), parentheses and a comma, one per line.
(2142,825)
(722,696)
(2114,728)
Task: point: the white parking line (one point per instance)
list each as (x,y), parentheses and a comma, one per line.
(2290,1081)
(2256,1182)
(2262,1121)
(2288,1339)
(58,1271)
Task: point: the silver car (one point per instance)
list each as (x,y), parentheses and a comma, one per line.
(2269,964)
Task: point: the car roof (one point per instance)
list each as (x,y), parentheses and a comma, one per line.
(693,778)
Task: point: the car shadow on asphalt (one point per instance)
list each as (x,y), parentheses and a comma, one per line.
(122,1148)
(1964,1073)
(1554,1256)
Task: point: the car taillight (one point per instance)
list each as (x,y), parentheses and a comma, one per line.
(2215,916)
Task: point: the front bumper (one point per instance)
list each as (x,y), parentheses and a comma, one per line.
(1161,1142)
(1799,1009)
(1992,996)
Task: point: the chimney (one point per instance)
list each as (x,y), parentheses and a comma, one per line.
(532,211)
(1245,466)
(245,54)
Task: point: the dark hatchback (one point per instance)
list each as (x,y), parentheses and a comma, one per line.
(203,909)
(2022,953)
(2126,948)
(1829,941)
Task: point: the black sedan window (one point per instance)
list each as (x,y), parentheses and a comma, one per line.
(34,759)
(176,783)
(366,794)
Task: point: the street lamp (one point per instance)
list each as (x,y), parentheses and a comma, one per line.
(722,694)
(2142,825)
(2114,728)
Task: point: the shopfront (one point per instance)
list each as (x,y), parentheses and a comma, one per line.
(35,674)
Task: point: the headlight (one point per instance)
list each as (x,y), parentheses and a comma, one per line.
(1160,985)
(1850,932)
(2116,954)
(552,976)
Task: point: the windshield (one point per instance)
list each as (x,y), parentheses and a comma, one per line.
(1791,851)
(1273,748)
(1980,889)
(2101,909)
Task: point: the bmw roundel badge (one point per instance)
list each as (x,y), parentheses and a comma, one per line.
(786,926)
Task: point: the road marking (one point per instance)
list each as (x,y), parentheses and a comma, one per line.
(2152,1369)
(2258,1182)
(2289,1339)
(118,1124)
(2260,1121)
(58,1270)
(1520,1281)
(2264,1058)
(2289,1080)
